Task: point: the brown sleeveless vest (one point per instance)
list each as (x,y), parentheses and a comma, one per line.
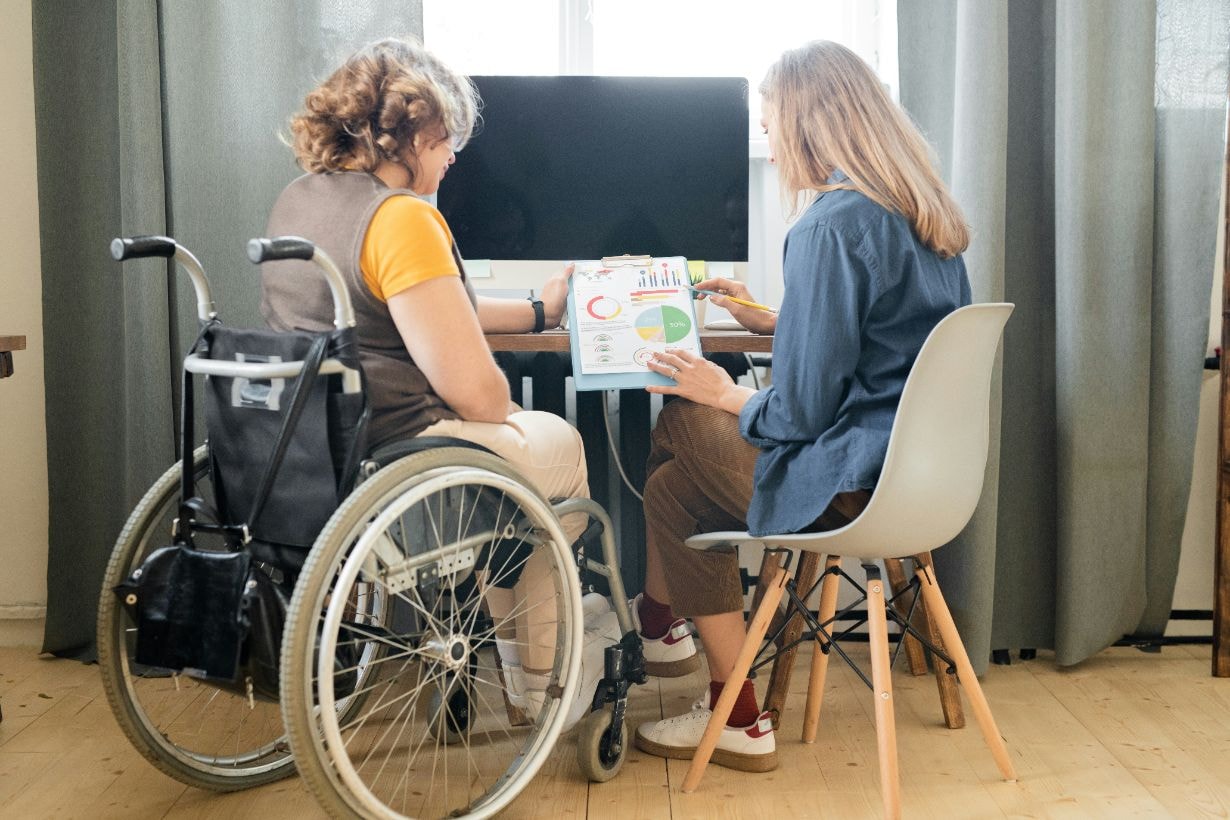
(333,211)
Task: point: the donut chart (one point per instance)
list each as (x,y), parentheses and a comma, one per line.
(663,324)
(603,307)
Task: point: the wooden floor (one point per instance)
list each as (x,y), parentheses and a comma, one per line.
(1125,734)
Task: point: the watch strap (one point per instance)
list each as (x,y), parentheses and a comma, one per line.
(540,315)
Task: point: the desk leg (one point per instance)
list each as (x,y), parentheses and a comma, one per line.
(549,373)
(597,460)
(597,450)
(511,365)
(633,452)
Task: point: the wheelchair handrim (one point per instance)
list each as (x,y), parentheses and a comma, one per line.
(429,483)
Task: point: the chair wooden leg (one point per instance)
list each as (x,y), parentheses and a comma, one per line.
(945,684)
(938,610)
(730,692)
(819,659)
(769,562)
(882,684)
(913,649)
(783,663)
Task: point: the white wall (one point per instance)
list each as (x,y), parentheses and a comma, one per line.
(1194,586)
(23,435)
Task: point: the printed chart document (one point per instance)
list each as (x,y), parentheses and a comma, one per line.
(622,310)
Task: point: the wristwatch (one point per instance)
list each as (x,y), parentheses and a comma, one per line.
(540,315)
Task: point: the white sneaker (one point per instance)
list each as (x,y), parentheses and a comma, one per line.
(752,749)
(671,656)
(527,690)
(593,606)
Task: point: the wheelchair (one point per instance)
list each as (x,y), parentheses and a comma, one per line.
(391,699)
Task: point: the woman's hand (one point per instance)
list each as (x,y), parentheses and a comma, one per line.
(698,380)
(755,320)
(555,296)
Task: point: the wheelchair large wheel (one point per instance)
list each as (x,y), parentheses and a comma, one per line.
(441,534)
(196,733)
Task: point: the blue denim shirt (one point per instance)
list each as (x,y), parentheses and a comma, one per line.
(862,293)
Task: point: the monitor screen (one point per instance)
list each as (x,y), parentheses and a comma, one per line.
(578,167)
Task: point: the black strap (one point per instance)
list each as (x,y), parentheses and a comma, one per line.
(540,315)
(187,475)
(206,519)
(303,388)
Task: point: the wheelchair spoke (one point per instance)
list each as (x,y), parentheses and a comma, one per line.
(421,724)
(191,730)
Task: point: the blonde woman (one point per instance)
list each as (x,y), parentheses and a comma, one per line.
(871,266)
(375,137)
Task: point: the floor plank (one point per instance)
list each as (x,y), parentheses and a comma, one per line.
(1125,734)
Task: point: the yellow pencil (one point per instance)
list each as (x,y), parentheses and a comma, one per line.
(734,299)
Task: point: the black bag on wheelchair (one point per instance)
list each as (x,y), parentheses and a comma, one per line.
(212,615)
(283,454)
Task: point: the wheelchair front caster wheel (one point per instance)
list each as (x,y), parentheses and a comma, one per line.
(598,753)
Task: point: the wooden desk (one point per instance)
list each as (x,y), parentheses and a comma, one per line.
(711,341)
(544,357)
(7,345)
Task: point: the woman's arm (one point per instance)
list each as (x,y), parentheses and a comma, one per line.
(443,335)
(517,315)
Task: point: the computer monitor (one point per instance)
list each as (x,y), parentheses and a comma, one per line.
(579,167)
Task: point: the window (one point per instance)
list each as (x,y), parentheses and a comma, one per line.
(654,37)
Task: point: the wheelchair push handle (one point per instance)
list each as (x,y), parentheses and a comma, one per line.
(136,247)
(140,247)
(277,248)
(280,247)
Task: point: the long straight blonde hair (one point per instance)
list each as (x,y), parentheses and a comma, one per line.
(830,112)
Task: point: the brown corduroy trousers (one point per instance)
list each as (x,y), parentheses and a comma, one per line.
(700,480)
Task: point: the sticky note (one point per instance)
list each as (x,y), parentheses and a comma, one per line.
(478,268)
(696,270)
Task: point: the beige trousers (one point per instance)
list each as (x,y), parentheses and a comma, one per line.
(547,451)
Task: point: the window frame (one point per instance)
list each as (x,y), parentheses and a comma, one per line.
(576,50)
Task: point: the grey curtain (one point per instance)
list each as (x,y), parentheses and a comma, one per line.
(154,117)
(1084,141)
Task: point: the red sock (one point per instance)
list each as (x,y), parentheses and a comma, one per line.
(746,709)
(656,617)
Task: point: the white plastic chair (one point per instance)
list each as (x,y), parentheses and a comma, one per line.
(931,482)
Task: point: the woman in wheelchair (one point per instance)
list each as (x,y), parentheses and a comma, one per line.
(435,642)
(870,267)
(375,137)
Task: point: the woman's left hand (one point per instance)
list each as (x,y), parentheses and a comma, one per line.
(696,378)
(555,296)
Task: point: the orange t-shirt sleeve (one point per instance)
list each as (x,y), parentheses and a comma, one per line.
(407,242)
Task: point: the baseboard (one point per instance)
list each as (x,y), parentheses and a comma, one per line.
(22,612)
(22,630)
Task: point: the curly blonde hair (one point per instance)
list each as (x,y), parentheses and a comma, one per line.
(831,112)
(371,109)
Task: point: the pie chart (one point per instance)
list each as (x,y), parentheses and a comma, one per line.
(663,324)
